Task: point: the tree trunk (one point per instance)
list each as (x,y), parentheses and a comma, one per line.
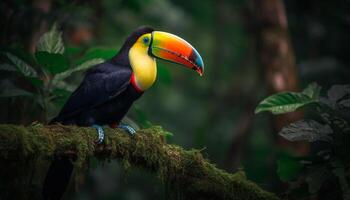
(277,61)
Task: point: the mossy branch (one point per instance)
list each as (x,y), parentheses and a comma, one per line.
(187,172)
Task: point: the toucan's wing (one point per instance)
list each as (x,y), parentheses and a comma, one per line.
(100,84)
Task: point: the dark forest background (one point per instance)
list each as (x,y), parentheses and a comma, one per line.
(251,48)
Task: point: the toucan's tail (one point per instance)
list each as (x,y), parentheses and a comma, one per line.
(57,178)
(60,171)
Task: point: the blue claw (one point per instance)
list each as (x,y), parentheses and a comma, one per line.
(101,133)
(127,128)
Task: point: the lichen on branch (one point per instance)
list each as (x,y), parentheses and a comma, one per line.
(23,149)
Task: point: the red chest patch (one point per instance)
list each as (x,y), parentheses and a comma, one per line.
(134,83)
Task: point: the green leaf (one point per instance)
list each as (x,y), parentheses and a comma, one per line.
(34,80)
(84,66)
(313,91)
(8,89)
(290,101)
(22,54)
(284,102)
(308,130)
(60,96)
(51,41)
(8,67)
(21,66)
(53,62)
(288,167)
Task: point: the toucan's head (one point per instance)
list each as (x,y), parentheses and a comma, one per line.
(166,46)
(144,45)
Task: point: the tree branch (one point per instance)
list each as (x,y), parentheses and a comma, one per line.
(187,172)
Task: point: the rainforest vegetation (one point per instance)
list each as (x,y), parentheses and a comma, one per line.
(268,119)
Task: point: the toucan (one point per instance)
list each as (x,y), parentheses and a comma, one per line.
(110,88)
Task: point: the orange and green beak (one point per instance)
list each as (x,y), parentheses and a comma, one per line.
(175,49)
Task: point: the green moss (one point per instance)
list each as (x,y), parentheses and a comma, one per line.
(35,146)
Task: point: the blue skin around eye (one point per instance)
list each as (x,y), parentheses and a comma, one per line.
(145,40)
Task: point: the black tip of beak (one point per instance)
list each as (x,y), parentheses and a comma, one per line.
(197,61)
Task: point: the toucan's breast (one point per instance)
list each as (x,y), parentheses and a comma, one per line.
(144,66)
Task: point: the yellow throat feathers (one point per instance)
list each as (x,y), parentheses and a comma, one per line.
(144,66)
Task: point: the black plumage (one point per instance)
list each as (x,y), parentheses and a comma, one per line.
(105,95)
(103,98)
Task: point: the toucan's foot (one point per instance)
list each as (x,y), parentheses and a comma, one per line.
(101,133)
(127,128)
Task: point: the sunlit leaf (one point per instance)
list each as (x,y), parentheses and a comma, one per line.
(8,89)
(53,62)
(51,41)
(312,90)
(84,66)
(290,101)
(22,66)
(308,130)
(284,102)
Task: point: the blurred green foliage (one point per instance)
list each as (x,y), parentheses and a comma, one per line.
(203,112)
(328,132)
(50,88)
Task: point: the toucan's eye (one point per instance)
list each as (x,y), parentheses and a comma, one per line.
(145,40)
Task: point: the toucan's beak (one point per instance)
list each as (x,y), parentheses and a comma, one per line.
(175,49)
